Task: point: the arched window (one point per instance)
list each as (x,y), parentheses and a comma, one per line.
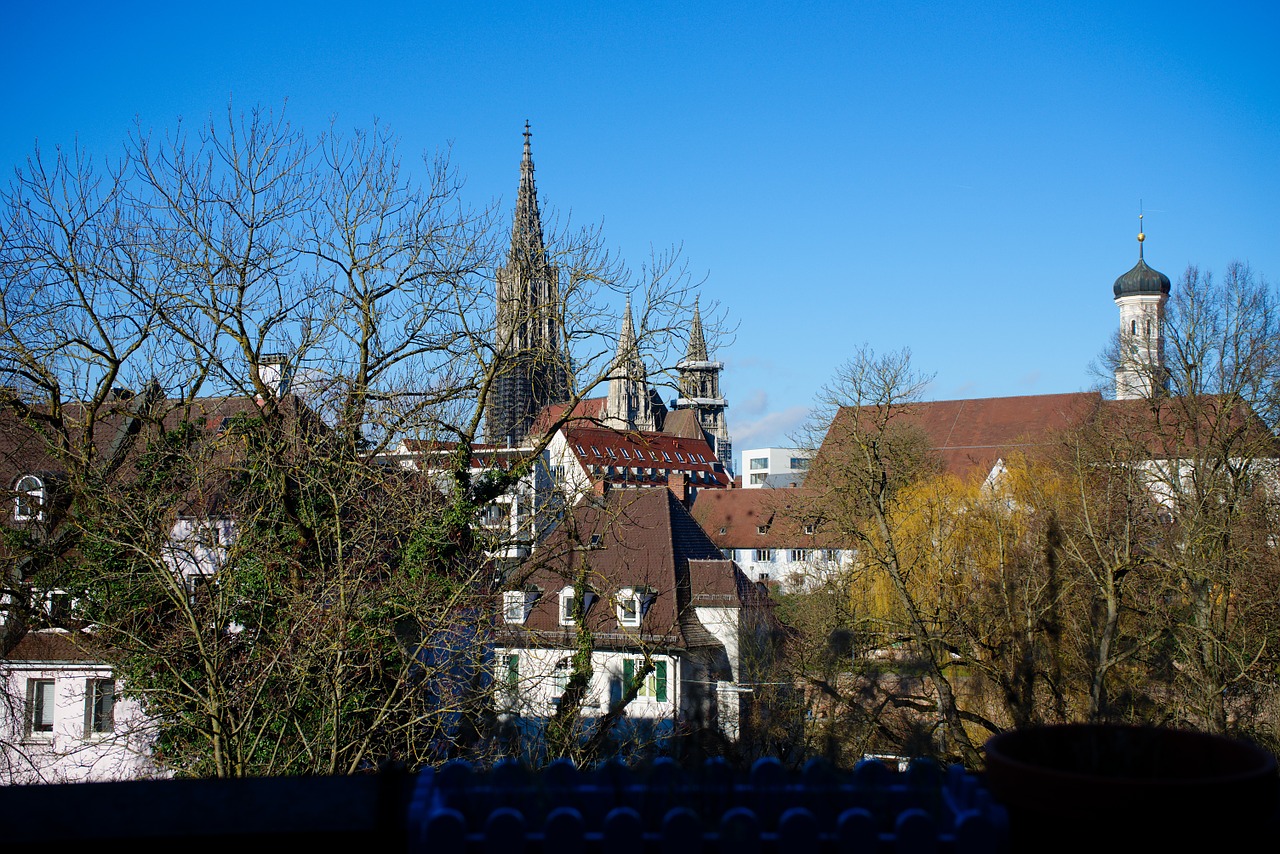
(28,499)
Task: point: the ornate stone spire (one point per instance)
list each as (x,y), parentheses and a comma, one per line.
(526,227)
(628,359)
(629,405)
(697,342)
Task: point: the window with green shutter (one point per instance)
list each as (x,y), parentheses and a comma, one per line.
(660,680)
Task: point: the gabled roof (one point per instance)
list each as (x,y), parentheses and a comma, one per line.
(589,410)
(733,518)
(975,433)
(644,458)
(641,539)
(53,645)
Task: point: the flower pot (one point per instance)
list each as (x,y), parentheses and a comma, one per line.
(1106,786)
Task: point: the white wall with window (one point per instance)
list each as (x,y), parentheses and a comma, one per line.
(66,722)
(774,467)
(531,681)
(793,570)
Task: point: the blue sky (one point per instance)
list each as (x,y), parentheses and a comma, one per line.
(960,179)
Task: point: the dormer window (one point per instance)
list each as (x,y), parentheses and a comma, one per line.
(679,456)
(808,529)
(632,603)
(595,450)
(611,454)
(625,455)
(596,539)
(28,499)
(762,529)
(517,605)
(568,605)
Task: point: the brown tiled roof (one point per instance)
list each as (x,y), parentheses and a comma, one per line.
(53,645)
(790,518)
(643,458)
(683,423)
(975,433)
(588,411)
(630,538)
(1187,427)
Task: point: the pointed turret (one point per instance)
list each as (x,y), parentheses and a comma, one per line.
(629,405)
(700,390)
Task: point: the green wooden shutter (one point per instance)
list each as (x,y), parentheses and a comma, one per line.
(660,669)
(513,669)
(628,674)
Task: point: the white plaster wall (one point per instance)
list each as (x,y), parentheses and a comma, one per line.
(67,754)
(535,691)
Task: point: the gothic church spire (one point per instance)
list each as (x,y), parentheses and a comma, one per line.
(527,245)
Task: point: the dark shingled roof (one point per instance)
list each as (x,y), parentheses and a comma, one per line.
(630,538)
(54,645)
(1141,280)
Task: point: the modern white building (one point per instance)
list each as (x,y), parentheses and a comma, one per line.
(775,467)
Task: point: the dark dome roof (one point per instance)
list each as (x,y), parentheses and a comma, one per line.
(1142,280)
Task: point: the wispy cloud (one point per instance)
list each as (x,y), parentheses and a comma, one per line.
(770,430)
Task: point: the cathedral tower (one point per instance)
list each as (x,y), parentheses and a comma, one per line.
(630,405)
(1141,295)
(700,391)
(528,344)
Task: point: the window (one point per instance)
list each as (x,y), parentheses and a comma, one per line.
(581,452)
(799,463)
(757,479)
(611,454)
(666,456)
(493,516)
(655,684)
(625,455)
(596,539)
(801,555)
(560,679)
(762,529)
(58,606)
(511,670)
(722,530)
(568,607)
(728,553)
(654,455)
(630,607)
(1133,327)
(595,450)
(759,463)
(28,500)
(764,555)
(39,706)
(515,606)
(99,706)
(808,529)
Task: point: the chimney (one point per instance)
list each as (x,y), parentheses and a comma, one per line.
(678,483)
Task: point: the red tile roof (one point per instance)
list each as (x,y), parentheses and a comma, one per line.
(972,434)
(644,459)
(790,518)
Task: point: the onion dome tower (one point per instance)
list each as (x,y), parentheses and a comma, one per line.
(1141,295)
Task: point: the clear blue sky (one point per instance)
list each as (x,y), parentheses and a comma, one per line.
(963,180)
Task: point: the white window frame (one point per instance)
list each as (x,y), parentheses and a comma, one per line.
(566,605)
(764,555)
(629,600)
(41,711)
(99,707)
(515,606)
(28,499)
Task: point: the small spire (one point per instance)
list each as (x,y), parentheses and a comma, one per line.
(697,341)
(1141,235)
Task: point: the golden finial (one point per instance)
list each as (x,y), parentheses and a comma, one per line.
(1141,236)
